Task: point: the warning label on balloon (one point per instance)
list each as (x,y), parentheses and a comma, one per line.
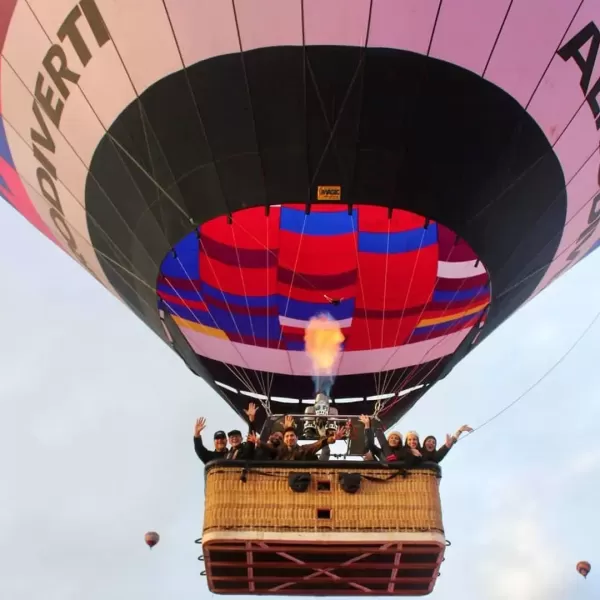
(329,192)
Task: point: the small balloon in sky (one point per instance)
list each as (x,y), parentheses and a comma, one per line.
(152,538)
(584,568)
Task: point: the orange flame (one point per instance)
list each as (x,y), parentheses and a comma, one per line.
(323,338)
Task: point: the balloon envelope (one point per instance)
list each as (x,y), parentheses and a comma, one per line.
(230,181)
(152,538)
(583,568)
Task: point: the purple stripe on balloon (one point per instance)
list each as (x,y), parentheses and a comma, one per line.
(317,282)
(451,248)
(449,285)
(242,257)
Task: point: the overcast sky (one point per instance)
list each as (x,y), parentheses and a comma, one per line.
(96,420)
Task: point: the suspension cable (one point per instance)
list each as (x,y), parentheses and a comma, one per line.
(392,401)
(540,379)
(159,187)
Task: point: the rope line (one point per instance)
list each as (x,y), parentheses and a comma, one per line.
(122,152)
(539,380)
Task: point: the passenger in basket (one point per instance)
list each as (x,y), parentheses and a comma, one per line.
(251,414)
(269,450)
(202,452)
(391,449)
(239,450)
(325,452)
(395,450)
(291,450)
(413,454)
(430,451)
(221,450)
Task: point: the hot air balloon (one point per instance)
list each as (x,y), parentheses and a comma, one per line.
(281,159)
(151,538)
(584,568)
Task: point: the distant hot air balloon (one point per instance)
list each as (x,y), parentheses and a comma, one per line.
(152,538)
(584,568)
(415,176)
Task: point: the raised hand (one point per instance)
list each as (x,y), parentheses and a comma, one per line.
(365,420)
(288,421)
(462,430)
(199,427)
(251,411)
(340,432)
(252,438)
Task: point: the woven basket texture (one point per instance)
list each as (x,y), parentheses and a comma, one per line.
(265,501)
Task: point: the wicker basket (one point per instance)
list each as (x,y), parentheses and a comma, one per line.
(262,537)
(264,502)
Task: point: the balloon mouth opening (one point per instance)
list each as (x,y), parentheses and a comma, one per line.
(333,292)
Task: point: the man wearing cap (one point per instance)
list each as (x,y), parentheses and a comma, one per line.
(202,452)
(238,449)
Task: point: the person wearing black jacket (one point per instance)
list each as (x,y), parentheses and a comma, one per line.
(203,453)
(391,449)
(432,453)
(291,450)
(239,450)
(269,450)
(221,450)
(413,451)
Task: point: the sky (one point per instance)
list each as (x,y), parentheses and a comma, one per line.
(96,425)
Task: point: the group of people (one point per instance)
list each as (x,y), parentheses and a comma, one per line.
(283,445)
(411,451)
